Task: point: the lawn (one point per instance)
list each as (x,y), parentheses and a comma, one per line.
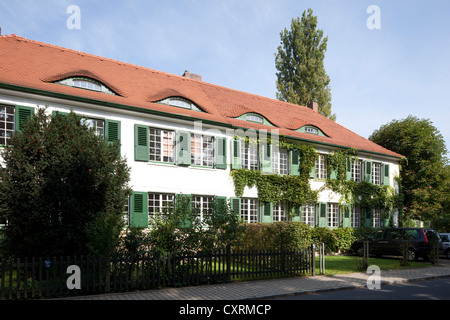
(347,264)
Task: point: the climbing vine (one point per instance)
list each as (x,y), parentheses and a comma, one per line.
(296,190)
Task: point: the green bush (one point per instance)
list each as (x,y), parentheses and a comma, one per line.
(276,236)
(335,240)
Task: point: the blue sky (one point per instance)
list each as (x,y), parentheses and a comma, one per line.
(377,75)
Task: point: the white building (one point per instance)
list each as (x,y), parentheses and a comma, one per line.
(177,132)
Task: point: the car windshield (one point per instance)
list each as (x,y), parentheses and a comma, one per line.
(445,238)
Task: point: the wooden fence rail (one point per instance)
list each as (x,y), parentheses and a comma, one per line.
(38,278)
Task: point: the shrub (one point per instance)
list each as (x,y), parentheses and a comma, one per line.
(276,236)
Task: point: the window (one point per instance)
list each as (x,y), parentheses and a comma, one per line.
(280,161)
(355,217)
(179,102)
(333,215)
(97,125)
(202,150)
(202,205)
(311,130)
(308,213)
(249,155)
(249,210)
(376,173)
(162,147)
(356,170)
(159,203)
(254,118)
(6,124)
(280,211)
(321,167)
(85,84)
(376,218)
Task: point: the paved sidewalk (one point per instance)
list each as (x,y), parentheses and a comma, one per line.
(266,289)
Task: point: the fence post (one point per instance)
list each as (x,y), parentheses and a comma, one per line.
(313,259)
(228,263)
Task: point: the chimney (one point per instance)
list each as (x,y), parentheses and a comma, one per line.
(189,75)
(314,106)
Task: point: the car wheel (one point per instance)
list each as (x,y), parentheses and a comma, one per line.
(412,256)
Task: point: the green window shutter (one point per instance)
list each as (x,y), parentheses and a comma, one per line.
(333,174)
(346,223)
(21,116)
(236,206)
(220,204)
(112,131)
(368,171)
(349,169)
(236,162)
(294,163)
(221,153)
(184,148)
(141,143)
(323,214)
(297,214)
(139,210)
(386,173)
(183,204)
(267,212)
(266,158)
(368,217)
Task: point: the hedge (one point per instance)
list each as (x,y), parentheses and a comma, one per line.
(291,235)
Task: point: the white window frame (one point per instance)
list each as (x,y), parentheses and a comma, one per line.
(250,210)
(308,214)
(202,150)
(321,166)
(98,125)
(377,173)
(280,211)
(7,123)
(357,170)
(333,215)
(159,203)
(280,161)
(249,155)
(165,146)
(355,216)
(376,217)
(202,205)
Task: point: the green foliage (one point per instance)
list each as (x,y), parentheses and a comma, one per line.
(301,76)
(424,175)
(61,184)
(334,239)
(275,188)
(276,236)
(179,229)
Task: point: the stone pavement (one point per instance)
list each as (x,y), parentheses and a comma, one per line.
(266,289)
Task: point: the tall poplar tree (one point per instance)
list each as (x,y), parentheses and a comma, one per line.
(301,76)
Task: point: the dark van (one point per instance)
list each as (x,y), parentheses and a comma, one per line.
(391,241)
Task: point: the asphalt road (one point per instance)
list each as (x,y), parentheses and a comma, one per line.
(434,289)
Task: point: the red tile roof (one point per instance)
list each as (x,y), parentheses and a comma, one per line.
(36,65)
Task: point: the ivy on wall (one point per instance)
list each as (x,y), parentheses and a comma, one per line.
(296,190)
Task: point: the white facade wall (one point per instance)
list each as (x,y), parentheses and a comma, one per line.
(169,178)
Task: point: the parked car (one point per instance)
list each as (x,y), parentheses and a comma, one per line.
(392,241)
(445,237)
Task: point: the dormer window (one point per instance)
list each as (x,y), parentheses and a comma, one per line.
(312,130)
(86,84)
(254,118)
(179,102)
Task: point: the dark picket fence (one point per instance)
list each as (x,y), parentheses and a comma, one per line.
(39,278)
